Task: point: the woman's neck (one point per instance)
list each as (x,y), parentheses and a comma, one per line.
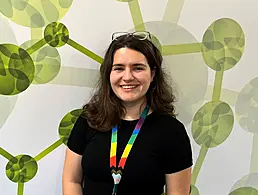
(134,110)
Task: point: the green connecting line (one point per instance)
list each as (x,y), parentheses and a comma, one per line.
(36,46)
(215,96)
(20,188)
(85,51)
(227,95)
(49,149)
(136,15)
(173,11)
(5,154)
(217,85)
(198,165)
(181,49)
(254,157)
(74,76)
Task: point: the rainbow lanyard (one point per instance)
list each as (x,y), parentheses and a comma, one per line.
(118,174)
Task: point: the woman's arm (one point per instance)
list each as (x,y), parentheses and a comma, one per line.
(72,174)
(178,183)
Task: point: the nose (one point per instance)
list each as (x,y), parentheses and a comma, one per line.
(128,75)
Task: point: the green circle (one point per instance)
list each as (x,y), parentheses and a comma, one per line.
(212,124)
(35,13)
(190,94)
(249,180)
(247,106)
(194,190)
(21,169)
(244,191)
(47,62)
(223,44)
(16,69)
(56,34)
(67,123)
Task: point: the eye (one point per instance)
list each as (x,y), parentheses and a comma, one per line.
(117,68)
(138,68)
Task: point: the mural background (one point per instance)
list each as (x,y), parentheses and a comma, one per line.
(48,70)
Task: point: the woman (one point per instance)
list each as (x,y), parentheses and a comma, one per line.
(128,141)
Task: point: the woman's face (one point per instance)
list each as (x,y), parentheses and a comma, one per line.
(130,75)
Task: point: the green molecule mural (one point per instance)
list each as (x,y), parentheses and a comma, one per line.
(35,13)
(7,103)
(222,48)
(67,124)
(223,44)
(247,111)
(16,69)
(212,124)
(245,191)
(246,184)
(38,61)
(47,62)
(21,169)
(247,106)
(56,34)
(190,94)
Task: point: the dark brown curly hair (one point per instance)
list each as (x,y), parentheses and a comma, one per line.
(105,109)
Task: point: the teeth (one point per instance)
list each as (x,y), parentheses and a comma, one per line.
(128,87)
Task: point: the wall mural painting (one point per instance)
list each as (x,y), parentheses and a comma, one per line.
(38,62)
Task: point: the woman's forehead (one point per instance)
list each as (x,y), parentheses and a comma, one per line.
(129,56)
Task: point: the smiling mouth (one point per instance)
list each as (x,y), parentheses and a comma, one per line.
(129,86)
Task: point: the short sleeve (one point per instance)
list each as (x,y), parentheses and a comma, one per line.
(177,151)
(78,139)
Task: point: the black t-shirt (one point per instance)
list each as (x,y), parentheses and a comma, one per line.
(162,147)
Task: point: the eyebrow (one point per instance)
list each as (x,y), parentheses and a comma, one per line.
(133,64)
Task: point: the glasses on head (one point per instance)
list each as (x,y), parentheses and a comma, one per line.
(140,35)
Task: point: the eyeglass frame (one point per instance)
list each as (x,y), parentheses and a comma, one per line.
(148,35)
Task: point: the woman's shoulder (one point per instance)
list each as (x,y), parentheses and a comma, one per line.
(81,126)
(166,118)
(167,123)
(80,135)
(82,120)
